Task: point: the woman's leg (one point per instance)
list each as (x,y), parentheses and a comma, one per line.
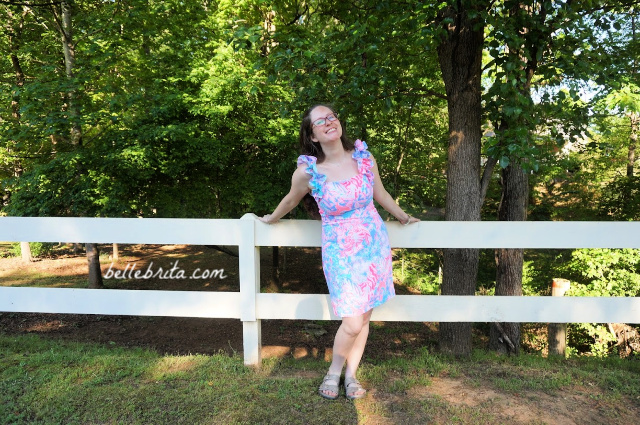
(355,355)
(349,344)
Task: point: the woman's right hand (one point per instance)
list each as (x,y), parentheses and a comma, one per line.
(267,219)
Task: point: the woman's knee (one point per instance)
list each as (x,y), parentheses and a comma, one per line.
(354,325)
(351,327)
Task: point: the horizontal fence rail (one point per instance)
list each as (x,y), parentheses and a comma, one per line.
(250,306)
(122,302)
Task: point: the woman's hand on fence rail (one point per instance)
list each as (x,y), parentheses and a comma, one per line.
(410,220)
(267,219)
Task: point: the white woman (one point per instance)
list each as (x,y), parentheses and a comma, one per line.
(342,178)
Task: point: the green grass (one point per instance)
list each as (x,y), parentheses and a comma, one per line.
(6,249)
(44,381)
(43,280)
(619,377)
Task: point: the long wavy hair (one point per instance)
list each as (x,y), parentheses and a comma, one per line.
(309,147)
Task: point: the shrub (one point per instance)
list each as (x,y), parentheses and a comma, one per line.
(38,249)
(601,273)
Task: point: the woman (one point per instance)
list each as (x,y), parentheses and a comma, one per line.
(343,178)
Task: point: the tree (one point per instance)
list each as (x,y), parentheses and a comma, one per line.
(63,20)
(460,58)
(626,101)
(61,15)
(531,44)
(14,26)
(510,107)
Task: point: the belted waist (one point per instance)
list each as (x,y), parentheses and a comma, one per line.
(355,214)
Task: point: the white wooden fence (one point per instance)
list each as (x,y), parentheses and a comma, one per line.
(250,306)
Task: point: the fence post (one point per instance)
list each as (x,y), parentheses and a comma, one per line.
(557,332)
(249,263)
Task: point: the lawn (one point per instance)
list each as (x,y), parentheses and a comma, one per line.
(46,381)
(84,369)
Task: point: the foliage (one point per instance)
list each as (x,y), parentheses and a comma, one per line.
(529,45)
(594,337)
(376,63)
(419,270)
(626,99)
(621,199)
(604,272)
(601,273)
(38,249)
(179,100)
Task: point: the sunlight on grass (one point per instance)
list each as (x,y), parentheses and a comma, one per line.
(174,367)
(41,280)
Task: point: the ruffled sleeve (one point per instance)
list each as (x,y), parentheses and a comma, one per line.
(363,157)
(317,180)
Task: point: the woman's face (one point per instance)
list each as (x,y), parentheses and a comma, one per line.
(330,131)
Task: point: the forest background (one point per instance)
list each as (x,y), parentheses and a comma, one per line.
(474,110)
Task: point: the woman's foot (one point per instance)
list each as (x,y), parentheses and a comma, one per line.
(353,388)
(330,387)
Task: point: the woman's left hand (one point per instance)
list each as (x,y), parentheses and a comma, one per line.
(411,220)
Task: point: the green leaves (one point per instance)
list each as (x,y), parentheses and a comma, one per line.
(624,100)
(180,101)
(605,272)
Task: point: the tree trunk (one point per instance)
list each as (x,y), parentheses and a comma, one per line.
(115,256)
(25,252)
(95,273)
(634,118)
(505,337)
(401,151)
(14,29)
(460,58)
(274,281)
(66,32)
(65,27)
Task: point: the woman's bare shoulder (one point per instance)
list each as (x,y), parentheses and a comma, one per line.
(301,173)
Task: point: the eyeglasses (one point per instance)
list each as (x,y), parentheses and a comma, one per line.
(322,121)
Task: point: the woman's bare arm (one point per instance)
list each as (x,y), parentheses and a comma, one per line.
(299,188)
(381,195)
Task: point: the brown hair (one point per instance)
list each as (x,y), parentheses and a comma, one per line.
(309,147)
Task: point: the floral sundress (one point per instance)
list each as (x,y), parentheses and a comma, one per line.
(356,256)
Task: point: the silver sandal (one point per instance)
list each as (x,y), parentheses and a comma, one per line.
(334,388)
(352,386)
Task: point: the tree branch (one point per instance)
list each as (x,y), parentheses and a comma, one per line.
(44,155)
(607,7)
(29,4)
(486,177)
(505,339)
(57,20)
(424,93)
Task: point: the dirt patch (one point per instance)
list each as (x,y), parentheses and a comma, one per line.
(170,335)
(572,406)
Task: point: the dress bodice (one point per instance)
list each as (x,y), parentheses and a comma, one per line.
(345,198)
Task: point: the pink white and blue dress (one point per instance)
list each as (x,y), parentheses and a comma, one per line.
(356,256)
